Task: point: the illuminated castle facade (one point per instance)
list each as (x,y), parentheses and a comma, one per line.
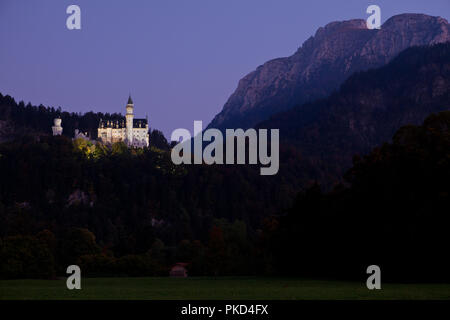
(134,132)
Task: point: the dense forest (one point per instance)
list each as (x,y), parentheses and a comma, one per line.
(132,212)
(26,119)
(394,214)
(131,200)
(119,211)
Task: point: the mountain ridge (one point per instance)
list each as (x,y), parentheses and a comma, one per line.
(367,110)
(322,63)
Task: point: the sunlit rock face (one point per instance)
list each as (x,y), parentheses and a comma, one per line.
(322,63)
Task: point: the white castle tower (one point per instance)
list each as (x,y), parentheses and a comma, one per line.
(57,129)
(132,131)
(129,122)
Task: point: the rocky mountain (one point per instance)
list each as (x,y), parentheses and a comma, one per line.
(322,63)
(367,110)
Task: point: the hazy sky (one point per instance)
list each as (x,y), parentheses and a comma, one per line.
(180,59)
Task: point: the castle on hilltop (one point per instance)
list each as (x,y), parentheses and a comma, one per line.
(134,132)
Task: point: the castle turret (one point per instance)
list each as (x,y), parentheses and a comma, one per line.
(57,129)
(129,118)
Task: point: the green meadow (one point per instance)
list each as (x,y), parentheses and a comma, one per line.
(228,288)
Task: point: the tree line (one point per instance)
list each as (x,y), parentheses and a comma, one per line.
(120,211)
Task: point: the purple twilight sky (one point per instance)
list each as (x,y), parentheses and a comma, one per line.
(179,59)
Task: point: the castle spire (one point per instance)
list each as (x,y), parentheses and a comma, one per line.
(130,101)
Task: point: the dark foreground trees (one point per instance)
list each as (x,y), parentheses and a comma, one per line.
(122,212)
(395,214)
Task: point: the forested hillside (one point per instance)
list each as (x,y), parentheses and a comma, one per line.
(26,119)
(121,212)
(394,214)
(367,110)
(116,211)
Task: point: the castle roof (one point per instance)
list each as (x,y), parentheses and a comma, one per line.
(120,124)
(130,101)
(115,124)
(139,123)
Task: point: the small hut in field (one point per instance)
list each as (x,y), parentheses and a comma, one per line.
(179,270)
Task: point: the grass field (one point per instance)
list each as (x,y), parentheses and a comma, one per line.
(227,288)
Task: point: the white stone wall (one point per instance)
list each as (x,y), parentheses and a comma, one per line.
(140,137)
(111,135)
